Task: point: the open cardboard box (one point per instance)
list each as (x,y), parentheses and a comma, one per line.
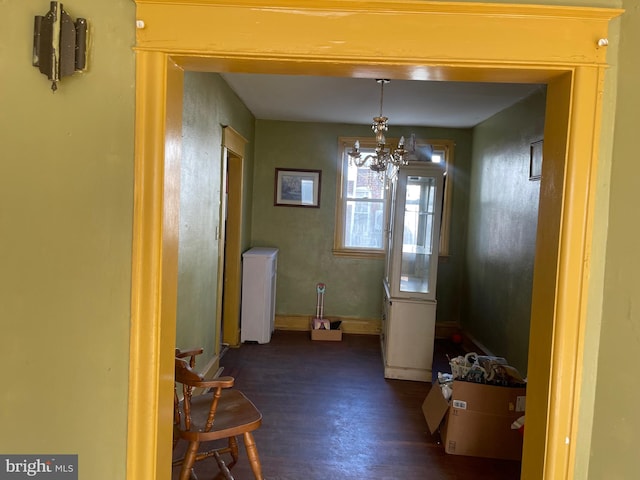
(331,335)
(326,334)
(477,421)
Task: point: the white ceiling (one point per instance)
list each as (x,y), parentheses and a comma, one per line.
(357,100)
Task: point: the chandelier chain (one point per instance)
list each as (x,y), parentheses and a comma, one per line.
(382,82)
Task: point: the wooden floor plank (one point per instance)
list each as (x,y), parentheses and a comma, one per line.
(330,414)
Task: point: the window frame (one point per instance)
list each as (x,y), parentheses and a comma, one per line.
(339,249)
(447,148)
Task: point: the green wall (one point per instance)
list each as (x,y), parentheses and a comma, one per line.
(209,104)
(305,235)
(501,237)
(616,421)
(66,208)
(451,267)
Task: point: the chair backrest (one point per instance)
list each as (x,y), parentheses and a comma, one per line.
(190,379)
(187,377)
(185,374)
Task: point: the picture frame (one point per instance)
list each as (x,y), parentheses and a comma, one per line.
(535,160)
(297,188)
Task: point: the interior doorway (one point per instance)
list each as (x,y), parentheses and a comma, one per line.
(233,159)
(259,40)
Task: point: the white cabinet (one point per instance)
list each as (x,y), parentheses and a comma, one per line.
(411,265)
(407,339)
(259,272)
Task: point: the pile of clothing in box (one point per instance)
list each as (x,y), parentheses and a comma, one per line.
(480,369)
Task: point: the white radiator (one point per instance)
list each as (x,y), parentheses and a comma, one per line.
(259,271)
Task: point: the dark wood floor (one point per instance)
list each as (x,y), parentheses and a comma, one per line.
(330,414)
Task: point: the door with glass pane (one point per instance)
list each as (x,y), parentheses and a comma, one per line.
(388,232)
(415,239)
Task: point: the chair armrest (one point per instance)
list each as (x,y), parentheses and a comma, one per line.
(188,353)
(220,382)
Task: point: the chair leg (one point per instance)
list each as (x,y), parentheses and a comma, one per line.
(186,472)
(233,450)
(224,470)
(252,453)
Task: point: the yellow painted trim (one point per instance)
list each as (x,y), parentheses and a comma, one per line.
(590,151)
(543,309)
(561,272)
(233,141)
(301,323)
(155,265)
(445,224)
(297,323)
(554,45)
(338,231)
(234,145)
(502,34)
(339,250)
(573,271)
(222,234)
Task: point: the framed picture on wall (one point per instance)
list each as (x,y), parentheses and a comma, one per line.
(535,160)
(297,188)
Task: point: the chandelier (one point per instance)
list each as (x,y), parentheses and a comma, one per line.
(384,159)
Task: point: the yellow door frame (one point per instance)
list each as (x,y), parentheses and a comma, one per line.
(423,41)
(233,158)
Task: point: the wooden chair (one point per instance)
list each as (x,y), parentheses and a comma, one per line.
(220,413)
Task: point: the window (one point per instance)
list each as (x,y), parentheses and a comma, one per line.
(361,204)
(442,151)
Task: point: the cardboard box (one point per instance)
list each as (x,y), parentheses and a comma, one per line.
(477,421)
(325,334)
(330,335)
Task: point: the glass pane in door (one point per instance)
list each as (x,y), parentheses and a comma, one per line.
(391,208)
(418,240)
